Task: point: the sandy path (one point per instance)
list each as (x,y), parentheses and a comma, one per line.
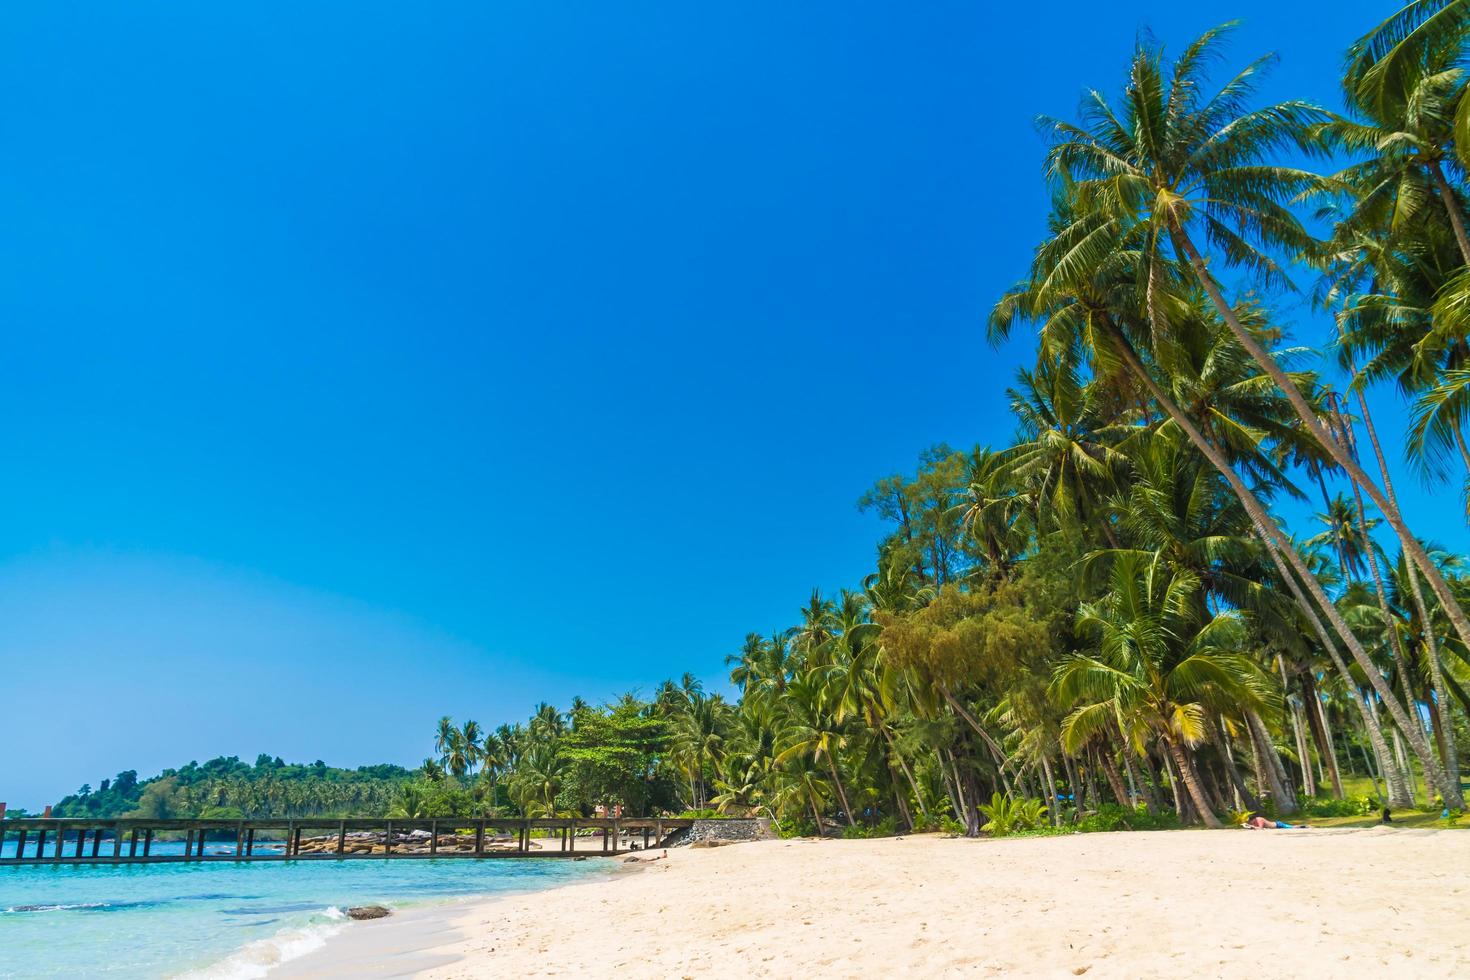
(1225,903)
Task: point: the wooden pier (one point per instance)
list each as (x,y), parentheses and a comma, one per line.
(83,841)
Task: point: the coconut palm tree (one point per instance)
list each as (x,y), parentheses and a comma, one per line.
(699,738)
(1065,449)
(810,729)
(1173,164)
(1158,664)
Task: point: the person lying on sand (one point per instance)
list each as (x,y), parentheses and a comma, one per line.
(1264,823)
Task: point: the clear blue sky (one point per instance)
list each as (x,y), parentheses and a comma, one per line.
(370,362)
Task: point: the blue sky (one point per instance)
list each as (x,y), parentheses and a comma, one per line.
(370,362)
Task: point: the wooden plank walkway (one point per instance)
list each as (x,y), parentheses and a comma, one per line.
(83,841)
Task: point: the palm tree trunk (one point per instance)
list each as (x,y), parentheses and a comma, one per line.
(908,773)
(903,807)
(1142,786)
(1339,453)
(1115,779)
(1449,756)
(1268,776)
(1372,769)
(1296,724)
(1303,751)
(1451,207)
(1053,807)
(1238,788)
(1318,723)
(1460,444)
(1187,772)
(966,810)
(816,811)
(841,792)
(1175,784)
(1074,784)
(1266,525)
(1402,759)
(990,743)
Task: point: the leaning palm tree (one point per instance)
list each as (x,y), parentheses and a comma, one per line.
(1173,163)
(1171,166)
(1085,293)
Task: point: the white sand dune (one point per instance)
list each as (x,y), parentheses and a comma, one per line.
(1227,903)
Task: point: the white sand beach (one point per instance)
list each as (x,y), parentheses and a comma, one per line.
(1301,903)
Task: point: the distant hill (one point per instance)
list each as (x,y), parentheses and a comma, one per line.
(227,788)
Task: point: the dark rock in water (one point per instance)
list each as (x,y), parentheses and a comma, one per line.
(367,912)
(632,860)
(579,859)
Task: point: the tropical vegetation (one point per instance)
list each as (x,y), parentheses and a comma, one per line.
(1184,589)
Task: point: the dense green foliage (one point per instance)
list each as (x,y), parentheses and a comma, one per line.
(226,788)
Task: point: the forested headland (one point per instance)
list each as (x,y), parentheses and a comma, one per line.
(1184,589)
(228,789)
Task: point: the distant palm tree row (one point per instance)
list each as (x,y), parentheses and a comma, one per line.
(1112,612)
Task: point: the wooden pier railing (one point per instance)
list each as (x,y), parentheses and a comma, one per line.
(67,841)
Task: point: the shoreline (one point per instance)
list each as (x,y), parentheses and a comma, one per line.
(1299,902)
(410,941)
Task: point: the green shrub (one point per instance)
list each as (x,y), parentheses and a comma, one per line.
(705,814)
(1110,817)
(886,827)
(796,828)
(1007,816)
(1351,807)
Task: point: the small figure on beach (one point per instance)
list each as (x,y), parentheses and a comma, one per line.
(1265,823)
(1387,815)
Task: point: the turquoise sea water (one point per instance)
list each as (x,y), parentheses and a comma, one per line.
(225,919)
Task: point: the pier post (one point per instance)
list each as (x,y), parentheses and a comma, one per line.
(290,836)
(250,842)
(96,840)
(341,837)
(296,842)
(133,843)
(116,841)
(147,842)
(433,837)
(239,838)
(480,838)
(60,839)
(188,844)
(41,843)
(388,840)
(20,845)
